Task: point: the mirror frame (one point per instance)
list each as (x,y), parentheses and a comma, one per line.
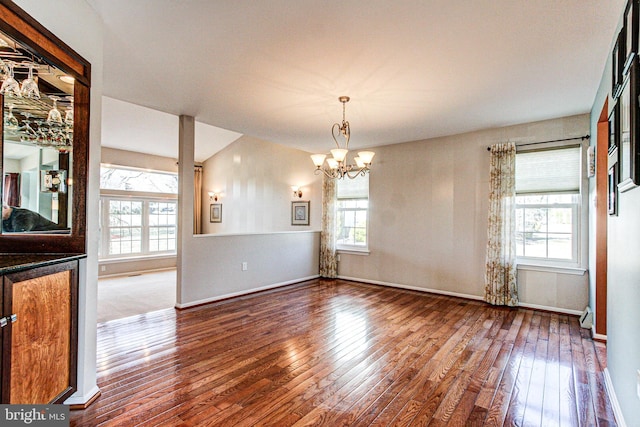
(17,24)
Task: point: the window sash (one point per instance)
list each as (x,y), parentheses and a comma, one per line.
(522,232)
(151,240)
(353,229)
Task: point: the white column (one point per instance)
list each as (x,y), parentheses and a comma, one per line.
(186,140)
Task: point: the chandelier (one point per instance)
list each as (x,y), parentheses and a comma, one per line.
(337,166)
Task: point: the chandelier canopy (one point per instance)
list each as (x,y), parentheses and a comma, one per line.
(337,166)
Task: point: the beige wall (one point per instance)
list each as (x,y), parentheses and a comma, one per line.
(114,156)
(429,207)
(255,178)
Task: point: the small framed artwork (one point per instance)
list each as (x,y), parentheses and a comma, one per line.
(628,152)
(300,213)
(616,68)
(631,35)
(612,199)
(215,212)
(613,128)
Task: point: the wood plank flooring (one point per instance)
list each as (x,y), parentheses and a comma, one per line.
(342,353)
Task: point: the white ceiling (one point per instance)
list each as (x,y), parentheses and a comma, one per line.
(131,127)
(413,69)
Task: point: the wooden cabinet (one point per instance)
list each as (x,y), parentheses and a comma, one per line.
(39,340)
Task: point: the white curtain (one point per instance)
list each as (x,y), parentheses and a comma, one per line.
(197,200)
(328,260)
(500,277)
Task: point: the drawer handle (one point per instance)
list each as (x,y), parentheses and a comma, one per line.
(3,322)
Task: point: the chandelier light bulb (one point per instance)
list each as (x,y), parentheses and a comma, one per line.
(340,154)
(333,164)
(318,159)
(366,156)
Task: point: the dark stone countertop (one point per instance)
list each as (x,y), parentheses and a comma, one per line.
(11,263)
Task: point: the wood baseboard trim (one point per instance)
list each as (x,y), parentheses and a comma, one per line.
(81,406)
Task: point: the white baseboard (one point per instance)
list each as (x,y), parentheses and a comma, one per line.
(598,337)
(459,295)
(554,309)
(135,273)
(412,288)
(82,399)
(617,411)
(245,292)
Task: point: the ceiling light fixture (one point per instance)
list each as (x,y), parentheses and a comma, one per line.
(338,167)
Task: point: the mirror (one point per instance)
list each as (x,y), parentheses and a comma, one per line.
(37,141)
(44,94)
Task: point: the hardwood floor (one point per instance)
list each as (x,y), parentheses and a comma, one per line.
(343,353)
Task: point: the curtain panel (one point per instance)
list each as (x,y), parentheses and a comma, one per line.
(500,277)
(328,259)
(197,200)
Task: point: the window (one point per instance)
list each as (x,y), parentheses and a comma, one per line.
(138,212)
(137,227)
(548,206)
(352,213)
(137,180)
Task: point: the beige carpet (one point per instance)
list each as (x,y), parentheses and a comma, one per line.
(126,296)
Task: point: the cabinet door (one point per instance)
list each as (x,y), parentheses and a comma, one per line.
(40,364)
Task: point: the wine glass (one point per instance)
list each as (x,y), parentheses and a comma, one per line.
(54,116)
(10,121)
(10,85)
(68,115)
(29,86)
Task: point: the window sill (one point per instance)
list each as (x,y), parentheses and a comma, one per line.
(353,251)
(578,271)
(164,255)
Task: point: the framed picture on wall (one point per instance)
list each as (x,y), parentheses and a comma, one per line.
(612,199)
(628,122)
(215,212)
(300,213)
(616,68)
(613,128)
(631,35)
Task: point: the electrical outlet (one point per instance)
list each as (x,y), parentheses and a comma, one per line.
(244,266)
(338,258)
(103,268)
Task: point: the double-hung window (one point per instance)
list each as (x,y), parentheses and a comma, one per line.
(138,212)
(352,213)
(548,206)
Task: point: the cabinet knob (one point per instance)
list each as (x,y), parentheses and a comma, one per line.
(13,318)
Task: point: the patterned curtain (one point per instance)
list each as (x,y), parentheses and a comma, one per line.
(197,200)
(328,260)
(500,278)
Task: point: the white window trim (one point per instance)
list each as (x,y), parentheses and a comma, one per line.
(575,250)
(354,248)
(582,216)
(107,195)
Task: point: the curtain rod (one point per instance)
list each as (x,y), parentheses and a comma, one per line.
(582,138)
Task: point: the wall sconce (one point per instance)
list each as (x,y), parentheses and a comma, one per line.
(213,197)
(297,192)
